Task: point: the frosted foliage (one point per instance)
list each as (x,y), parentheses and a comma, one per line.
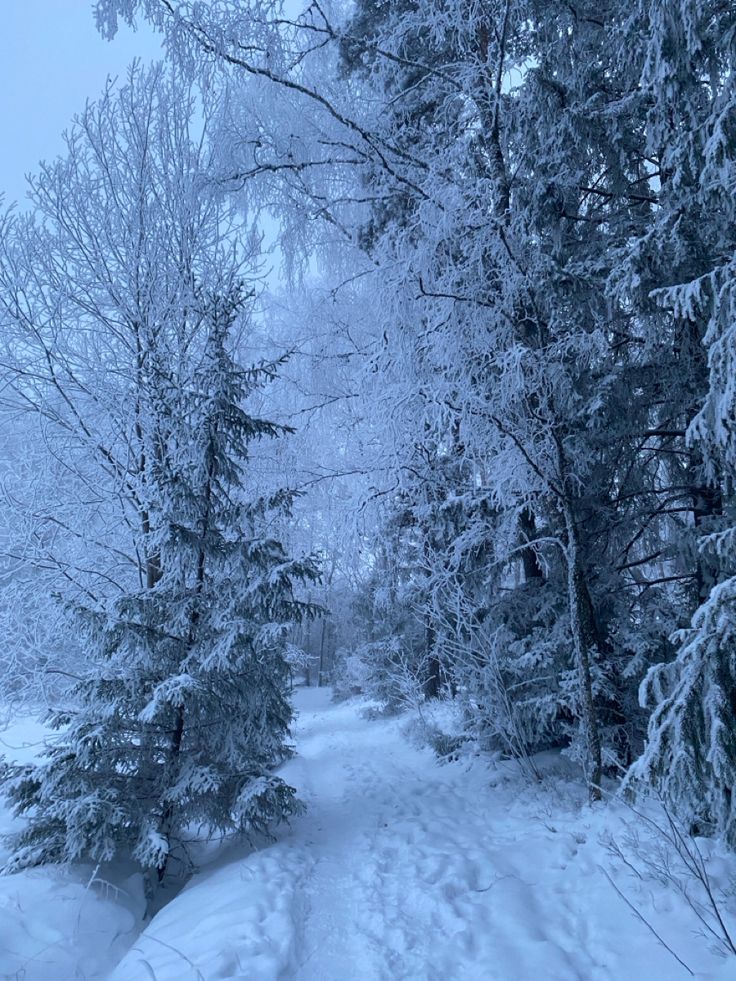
(693,723)
(531,206)
(691,754)
(185,712)
(135,307)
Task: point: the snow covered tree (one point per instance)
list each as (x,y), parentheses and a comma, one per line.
(124,338)
(691,85)
(531,181)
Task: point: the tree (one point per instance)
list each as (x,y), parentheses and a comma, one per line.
(529,179)
(690,754)
(123,340)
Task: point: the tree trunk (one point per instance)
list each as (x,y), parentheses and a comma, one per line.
(433,680)
(168,813)
(583,638)
(178,734)
(321,675)
(530,560)
(707,503)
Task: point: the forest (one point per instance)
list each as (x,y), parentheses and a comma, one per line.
(372,363)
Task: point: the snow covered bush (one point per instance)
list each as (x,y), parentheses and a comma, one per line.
(351,674)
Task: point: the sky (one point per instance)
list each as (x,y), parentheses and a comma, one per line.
(51,61)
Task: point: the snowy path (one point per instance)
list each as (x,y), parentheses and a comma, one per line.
(405,867)
(403,870)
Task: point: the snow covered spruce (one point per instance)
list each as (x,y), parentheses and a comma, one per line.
(134,308)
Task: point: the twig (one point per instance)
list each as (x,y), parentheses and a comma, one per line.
(646,922)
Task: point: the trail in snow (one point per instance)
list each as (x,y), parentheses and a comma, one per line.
(405,870)
(406,862)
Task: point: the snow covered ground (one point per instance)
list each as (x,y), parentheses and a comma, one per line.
(400,870)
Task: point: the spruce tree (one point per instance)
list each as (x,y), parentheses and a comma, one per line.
(184,714)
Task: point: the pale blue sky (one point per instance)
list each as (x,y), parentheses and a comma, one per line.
(51,60)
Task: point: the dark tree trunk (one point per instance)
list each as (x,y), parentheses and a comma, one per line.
(433,680)
(532,569)
(582,628)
